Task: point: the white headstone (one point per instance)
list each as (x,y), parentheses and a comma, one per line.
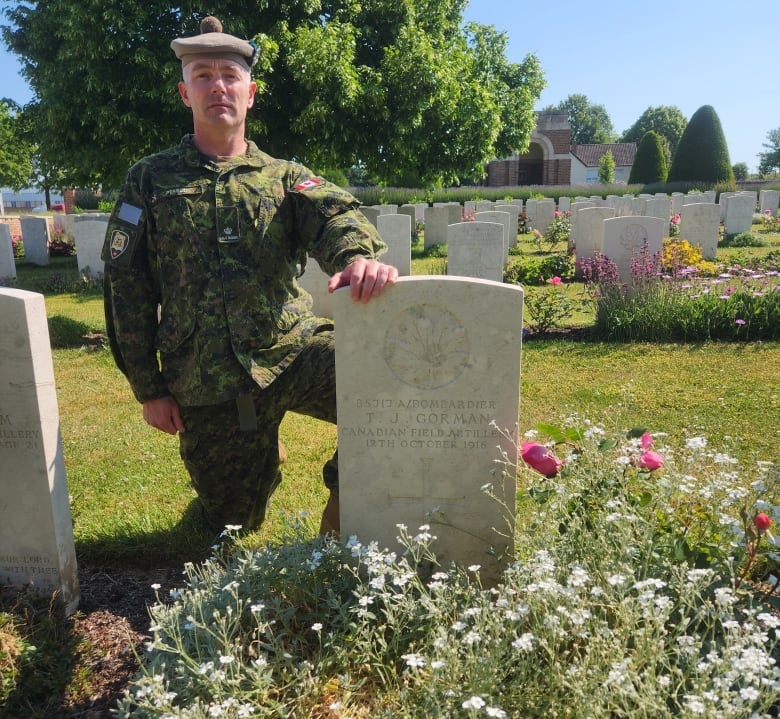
(545,214)
(504,219)
(315,282)
(436,221)
(396,231)
(428,378)
(590,234)
(514,212)
(658,207)
(7,263)
(370,213)
(575,209)
(564,203)
(769,200)
(36,530)
(89,232)
(739,213)
(677,202)
(625,238)
(699,225)
(476,249)
(35,235)
(485,205)
(723,201)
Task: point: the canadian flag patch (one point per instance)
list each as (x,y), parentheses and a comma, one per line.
(308,184)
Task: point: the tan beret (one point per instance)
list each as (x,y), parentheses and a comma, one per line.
(213,42)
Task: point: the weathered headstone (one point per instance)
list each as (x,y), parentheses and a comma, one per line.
(428,378)
(7,263)
(396,231)
(699,225)
(564,204)
(36,531)
(35,235)
(485,205)
(89,231)
(626,238)
(436,221)
(476,249)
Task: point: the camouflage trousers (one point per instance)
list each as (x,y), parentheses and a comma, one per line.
(234,467)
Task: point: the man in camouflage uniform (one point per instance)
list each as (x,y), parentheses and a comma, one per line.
(204,314)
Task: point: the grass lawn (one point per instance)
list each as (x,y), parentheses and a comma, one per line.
(130,493)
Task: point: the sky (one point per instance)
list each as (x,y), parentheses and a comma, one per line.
(628,56)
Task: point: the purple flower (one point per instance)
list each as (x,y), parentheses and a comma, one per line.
(740,322)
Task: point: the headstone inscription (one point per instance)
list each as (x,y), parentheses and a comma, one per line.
(427,379)
(36,531)
(502,218)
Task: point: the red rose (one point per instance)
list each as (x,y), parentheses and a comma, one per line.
(540,458)
(650,461)
(762,522)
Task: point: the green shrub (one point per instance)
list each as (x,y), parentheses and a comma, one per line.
(537,272)
(742,239)
(650,163)
(702,155)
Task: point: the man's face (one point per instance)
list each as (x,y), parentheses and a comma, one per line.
(219,92)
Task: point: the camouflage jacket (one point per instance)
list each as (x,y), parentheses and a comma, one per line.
(201,261)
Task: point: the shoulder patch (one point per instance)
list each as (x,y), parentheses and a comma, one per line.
(119,243)
(308,184)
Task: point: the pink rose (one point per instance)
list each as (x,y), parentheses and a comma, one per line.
(555,280)
(540,458)
(762,522)
(650,461)
(646,440)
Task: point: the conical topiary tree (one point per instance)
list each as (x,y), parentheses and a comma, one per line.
(649,163)
(702,155)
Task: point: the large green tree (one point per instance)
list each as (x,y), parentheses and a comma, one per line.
(590,123)
(403,88)
(665,120)
(650,162)
(702,155)
(770,160)
(15,149)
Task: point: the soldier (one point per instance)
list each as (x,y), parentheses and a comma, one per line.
(201,257)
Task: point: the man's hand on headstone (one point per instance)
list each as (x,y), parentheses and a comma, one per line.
(365,278)
(163,414)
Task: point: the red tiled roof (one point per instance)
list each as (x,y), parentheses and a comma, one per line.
(589,155)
